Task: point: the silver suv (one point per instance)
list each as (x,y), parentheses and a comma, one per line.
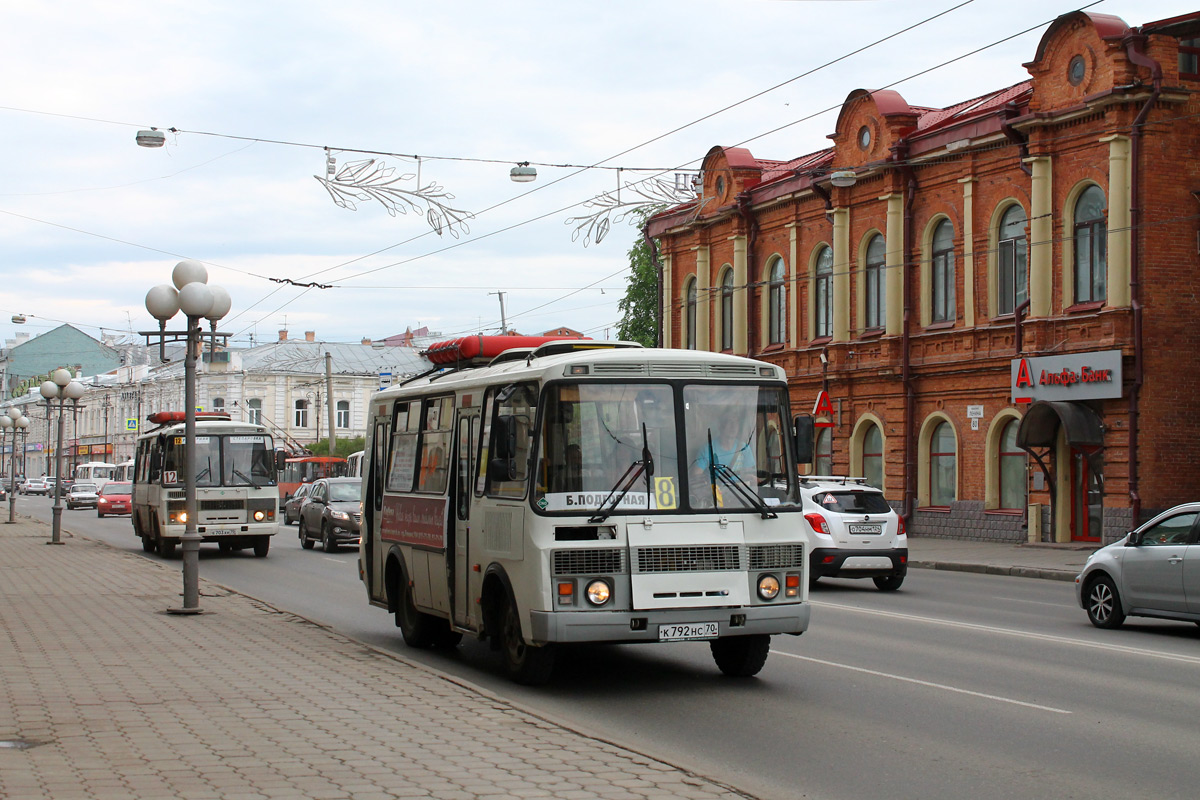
(854,532)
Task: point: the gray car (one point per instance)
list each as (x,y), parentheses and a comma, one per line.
(82,495)
(1153,571)
(332,513)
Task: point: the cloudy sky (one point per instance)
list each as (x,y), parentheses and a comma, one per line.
(452,94)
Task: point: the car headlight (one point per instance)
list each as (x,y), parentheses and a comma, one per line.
(598,592)
(339,515)
(768,587)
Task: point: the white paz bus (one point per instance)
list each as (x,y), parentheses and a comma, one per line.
(585,492)
(236,493)
(95,472)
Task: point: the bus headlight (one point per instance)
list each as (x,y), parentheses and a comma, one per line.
(181,517)
(598,592)
(768,587)
(260,515)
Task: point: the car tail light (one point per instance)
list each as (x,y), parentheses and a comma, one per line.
(818,523)
(902,530)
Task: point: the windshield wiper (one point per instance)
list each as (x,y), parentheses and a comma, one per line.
(237,472)
(734,482)
(643,466)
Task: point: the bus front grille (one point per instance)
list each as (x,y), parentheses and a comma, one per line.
(776,556)
(711,558)
(608,561)
(222,505)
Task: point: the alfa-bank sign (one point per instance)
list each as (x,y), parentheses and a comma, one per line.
(1078,376)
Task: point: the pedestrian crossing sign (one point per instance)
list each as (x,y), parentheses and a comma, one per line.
(131,424)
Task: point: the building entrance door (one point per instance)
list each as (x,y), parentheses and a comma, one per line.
(1087,496)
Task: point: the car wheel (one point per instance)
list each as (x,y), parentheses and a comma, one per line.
(100,514)
(524,663)
(1104,603)
(327,540)
(889,583)
(741,656)
(416,628)
(305,542)
(262,545)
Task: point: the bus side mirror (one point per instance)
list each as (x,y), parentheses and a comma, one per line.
(280,460)
(502,464)
(804,439)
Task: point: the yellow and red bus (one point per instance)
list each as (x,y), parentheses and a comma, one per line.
(306,469)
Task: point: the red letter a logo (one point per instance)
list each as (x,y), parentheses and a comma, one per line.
(1024,378)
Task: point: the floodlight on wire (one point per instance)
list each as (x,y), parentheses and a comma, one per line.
(371,179)
(648,194)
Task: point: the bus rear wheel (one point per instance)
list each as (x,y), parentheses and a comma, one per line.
(741,656)
(524,663)
(418,629)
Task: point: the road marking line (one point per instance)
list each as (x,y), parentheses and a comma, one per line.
(929,684)
(1045,637)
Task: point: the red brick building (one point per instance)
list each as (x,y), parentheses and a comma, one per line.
(997,296)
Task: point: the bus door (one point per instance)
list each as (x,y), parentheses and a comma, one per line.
(372,553)
(466,434)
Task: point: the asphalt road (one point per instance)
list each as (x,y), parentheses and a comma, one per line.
(959,685)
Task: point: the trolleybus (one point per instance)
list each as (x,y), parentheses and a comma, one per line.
(586,492)
(306,469)
(236,494)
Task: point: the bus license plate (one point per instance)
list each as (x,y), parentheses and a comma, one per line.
(691,630)
(220,532)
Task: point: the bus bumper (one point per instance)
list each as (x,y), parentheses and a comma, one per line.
(642,626)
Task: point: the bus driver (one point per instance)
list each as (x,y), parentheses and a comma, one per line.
(729,449)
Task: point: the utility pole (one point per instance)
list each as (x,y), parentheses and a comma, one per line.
(503,322)
(329,403)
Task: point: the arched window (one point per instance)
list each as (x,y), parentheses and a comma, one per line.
(218,404)
(1091,238)
(1013,260)
(875,284)
(777,302)
(254,411)
(942,274)
(343,413)
(727,310)
(872,456)
(823,294)
(823,452)
(1012,468)
(942,472)
(301,419)
(689,335)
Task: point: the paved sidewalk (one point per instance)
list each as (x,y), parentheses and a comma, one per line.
(104,695)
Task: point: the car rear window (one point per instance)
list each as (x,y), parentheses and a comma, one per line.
(853,502)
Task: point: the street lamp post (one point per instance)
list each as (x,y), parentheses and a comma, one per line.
(191,294)
(15,421)
(62,388)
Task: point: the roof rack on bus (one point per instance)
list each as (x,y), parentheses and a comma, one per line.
(169,417)
(842,479)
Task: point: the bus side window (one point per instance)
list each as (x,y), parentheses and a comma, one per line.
(511,440)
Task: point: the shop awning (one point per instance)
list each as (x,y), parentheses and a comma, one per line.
(1039,427)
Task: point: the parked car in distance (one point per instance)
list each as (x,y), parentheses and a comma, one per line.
(1150,572)
(114,499)
(853,531)
(36,486)
(82,495)
(291,506)
(3,492)
(332,513)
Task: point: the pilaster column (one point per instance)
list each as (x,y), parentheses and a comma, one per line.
(1041,237)
(1120,242)
(741,297)
(841,275)
(894,262)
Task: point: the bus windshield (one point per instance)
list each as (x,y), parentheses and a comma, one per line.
(614,448)
(230,460)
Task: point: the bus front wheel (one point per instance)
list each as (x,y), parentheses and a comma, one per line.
(262,545)
(524,663)
(741,656)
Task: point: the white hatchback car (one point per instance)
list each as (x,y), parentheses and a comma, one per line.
(854,532)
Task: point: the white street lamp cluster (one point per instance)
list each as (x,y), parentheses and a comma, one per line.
(198,300)
(12,420)
(61,387)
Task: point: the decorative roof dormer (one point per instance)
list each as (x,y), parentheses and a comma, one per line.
(1081,55)
(869,124)
(727,172)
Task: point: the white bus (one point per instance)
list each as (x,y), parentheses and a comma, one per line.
(582,492)
(124,471)
(236,495)
(354,464)
(95,472)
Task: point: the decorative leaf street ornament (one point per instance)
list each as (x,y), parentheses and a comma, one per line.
(373,180)
(649,194)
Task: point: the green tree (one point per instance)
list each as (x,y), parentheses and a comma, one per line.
(639,306)
(342,447)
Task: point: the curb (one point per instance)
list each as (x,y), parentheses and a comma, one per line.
(993,569)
